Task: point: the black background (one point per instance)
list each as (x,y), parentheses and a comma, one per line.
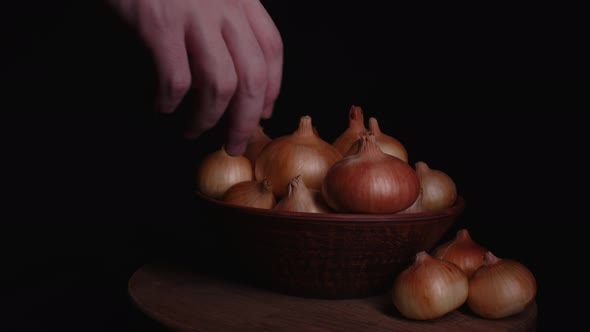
(97,184)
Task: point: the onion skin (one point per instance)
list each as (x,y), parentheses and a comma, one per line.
(438,188)
(370,181)
(387,143)
(356,127)
(302,199)
(462,251)
(500,288)
(301,153)
(218,171)
(256,143)
(429,288)
(257,194)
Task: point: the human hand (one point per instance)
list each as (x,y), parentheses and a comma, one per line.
(229,51)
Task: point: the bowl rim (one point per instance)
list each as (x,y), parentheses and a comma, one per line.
(454,210)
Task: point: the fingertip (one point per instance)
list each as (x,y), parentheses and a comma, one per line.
(267,111)
(236,148)
(164,107)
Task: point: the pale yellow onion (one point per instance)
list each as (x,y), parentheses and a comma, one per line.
(301,153)
(438,188)
(256,143)
(387,143)
(429,288)
(462,251)
(500,288)
(218,171)
(302,199)
(370,181)
(356,127)
(252,193)
(416,207)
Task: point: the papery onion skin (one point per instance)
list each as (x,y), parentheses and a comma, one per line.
(256,143)
(301,153)
(429,288)
(462,251)
(439,191)
(302,199)
(501,288)
(257,194)
(416,207)
(387,143)
(370,181)
(218,171)
(356,127)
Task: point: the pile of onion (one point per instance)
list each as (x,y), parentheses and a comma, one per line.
(373,177)
(432,287)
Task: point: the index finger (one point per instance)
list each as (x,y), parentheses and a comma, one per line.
(246,106)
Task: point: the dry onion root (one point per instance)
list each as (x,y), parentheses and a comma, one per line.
(302,199)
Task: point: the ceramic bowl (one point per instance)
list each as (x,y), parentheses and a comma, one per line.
(327,255)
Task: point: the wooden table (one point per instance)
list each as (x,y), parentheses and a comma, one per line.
(186,300)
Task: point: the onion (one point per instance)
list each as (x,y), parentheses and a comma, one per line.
(462,251)
(256,143)
(387,143)
(500,288)
(218,171)
(302,199)
(301,153)
(438,189)
(429,288)
(370,181)
(356,127)
(253,193)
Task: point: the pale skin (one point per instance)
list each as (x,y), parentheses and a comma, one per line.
(229,51)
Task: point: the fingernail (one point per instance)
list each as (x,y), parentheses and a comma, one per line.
(236,149)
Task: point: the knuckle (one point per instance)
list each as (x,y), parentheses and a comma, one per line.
(254,81)
(177,85)
(275,48)
(224,86)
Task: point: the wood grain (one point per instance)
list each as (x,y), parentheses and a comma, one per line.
(186,300)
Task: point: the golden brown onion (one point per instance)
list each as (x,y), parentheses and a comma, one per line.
(500,288)
(253,193)
(438,189)
(218,171)
(462,251)
(429,288)
(356,127)
(256,143)
(387,143)
(301,153)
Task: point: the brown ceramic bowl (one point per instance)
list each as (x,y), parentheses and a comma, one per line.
(325,255)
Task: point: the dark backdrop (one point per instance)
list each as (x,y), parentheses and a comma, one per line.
(97,185)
